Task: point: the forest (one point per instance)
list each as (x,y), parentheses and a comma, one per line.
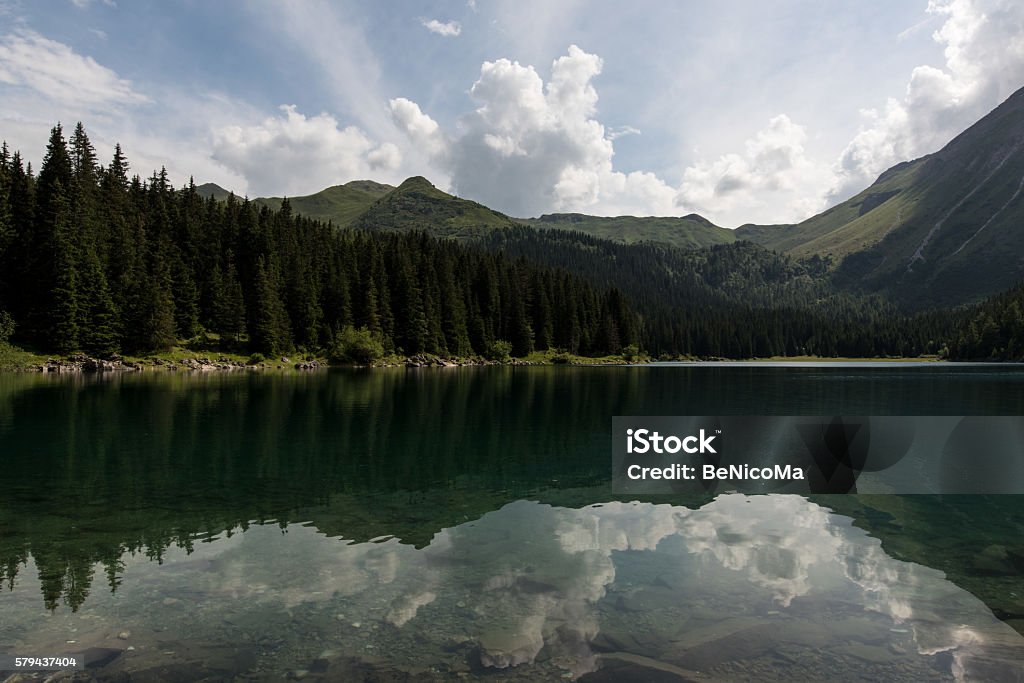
(95,259)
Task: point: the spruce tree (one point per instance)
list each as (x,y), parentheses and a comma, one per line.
(228,304)
(61,312)
(268,330)
(98,330)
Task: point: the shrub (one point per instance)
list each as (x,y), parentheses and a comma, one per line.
(499,350)
(257,358)
(561,358)
(631,353)
(360,346)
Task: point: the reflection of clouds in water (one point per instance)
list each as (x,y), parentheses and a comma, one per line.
(538,570)
(772,541)
(936,611)
(530,575)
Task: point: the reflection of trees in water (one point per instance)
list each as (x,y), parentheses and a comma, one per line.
(135,464)
(94,468)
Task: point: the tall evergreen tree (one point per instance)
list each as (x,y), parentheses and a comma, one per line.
(228,305)
(268,330)
(61,312)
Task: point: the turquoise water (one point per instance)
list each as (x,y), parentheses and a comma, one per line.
(459,523)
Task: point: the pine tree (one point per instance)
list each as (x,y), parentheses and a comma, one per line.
(62,307)
(268,330)
(228,306)
(49,281)
(156,303)
(98,329)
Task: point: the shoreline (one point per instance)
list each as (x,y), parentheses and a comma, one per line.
(20,361)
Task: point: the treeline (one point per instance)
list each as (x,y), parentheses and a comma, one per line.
(992,330)
(734,301)
(94,260)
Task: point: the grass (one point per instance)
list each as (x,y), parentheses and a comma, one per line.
(13,358)
(340,204)
(686,232)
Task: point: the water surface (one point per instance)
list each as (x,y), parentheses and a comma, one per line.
(451,523)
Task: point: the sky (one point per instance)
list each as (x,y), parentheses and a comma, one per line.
(742,112)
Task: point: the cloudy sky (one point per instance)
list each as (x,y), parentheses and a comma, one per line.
(743,112)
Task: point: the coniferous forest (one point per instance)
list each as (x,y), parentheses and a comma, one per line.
(98,261)
(95,259)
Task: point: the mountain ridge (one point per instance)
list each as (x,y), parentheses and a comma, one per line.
(934,231)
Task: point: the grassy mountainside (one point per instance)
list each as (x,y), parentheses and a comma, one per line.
(213,190)
(959,237)
(418,205)
(849,227)
(340,204)
(686,231)
(937,231)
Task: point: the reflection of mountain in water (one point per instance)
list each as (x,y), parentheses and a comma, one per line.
(141,464)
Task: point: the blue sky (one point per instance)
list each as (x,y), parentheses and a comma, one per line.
(743,112)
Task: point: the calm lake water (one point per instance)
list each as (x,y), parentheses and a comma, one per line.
(450,524)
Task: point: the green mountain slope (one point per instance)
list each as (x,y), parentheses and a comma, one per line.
(213,190)
(687,231)
(340,204)
(853,225)
(418,205)
(941,230)
(956,234)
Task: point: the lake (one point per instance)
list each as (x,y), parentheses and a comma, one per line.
(459,523)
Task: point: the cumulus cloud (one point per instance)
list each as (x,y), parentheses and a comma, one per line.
(983,43)
(52,69)
(773,179)
(530,147)
(448,29)
(422,130)
(295,154)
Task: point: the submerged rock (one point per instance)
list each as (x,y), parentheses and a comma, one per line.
(502,647)
(994,560)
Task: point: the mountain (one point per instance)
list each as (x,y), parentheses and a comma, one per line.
(213,190)
(941,230)
(687,231)
(418,205)
(340,204)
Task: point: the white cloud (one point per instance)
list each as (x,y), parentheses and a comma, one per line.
(83,4)
(295,154)
(449,29)
(531,147)
(52,69)
(622,131)
(983,44)
(422,130)
(773,180)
